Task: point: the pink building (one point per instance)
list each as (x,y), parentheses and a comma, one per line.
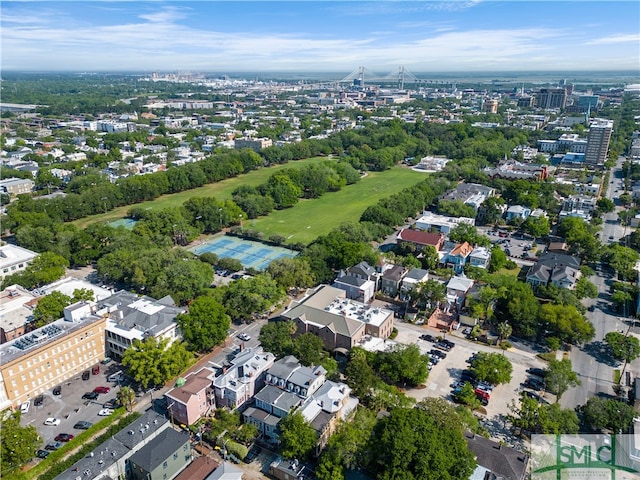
(189,402)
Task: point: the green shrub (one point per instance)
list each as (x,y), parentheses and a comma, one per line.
(237,449)
(394,333)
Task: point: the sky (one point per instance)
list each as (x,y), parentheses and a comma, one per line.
(326,36)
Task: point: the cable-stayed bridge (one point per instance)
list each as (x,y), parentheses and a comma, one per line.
(363,75)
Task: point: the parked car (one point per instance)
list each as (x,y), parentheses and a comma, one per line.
(24,408)
(468,376)
(52,422)
(466,331)
(533,395)
(438,353)
(443,346)
(102,389)
(42,453)
(482,394)
(64,437)
(427,338)
(105,412)
(53,445)
(449,343)
(533,384)
(95,369)
(38,401)
(86,374)
(244,337)
(57,390)
(90,396)
(82,425)
(113,404)
(537,371)
(486,386)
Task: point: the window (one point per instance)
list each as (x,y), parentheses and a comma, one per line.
(175,456)
(164,465)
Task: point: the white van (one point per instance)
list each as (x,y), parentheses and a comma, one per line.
(116,377)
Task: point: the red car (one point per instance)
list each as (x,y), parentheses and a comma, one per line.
(101,390)
(64,437)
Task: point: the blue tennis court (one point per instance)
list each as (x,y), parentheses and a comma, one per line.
(251,254)
(127,223)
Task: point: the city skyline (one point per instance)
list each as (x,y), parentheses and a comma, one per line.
(436,36)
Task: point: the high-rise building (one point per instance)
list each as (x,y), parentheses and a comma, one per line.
(550,98)
(598,141)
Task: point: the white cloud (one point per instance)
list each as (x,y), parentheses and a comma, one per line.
(618,38)
(158,40)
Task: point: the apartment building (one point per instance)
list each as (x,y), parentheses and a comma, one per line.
(441,223)
(338,321)
(552,98)
(292,386)
(131,317)
(112,458)
(16,308)
(16,186)
(192,397)
(46,357)
(14,259)
(256,144)
(242,379)
(598,141)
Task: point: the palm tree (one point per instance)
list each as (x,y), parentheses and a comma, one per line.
(126,397)
(504,330)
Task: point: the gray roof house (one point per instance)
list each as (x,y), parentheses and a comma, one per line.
(357,288)
(391,280)
(495,461)
(163,457)
(131,316)
(362,270)
(555,268)
(110,458)
(413,277)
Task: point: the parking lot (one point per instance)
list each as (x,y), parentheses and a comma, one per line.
(515,246)
(449,370)
(69,407)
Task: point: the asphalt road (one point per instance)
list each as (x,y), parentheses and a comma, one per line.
(592,363)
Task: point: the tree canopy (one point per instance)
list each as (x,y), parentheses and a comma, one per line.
(205,325)
(297,437)
(154,362)
(18,442)
(560,377)
(409,444)
(492,367)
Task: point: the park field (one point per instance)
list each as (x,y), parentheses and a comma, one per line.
(221,190)
(309,219)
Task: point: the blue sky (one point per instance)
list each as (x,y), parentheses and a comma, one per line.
(335,36)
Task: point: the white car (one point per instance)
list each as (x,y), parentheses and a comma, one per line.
(24,408)
(105,412)
(244,337)
(52,422)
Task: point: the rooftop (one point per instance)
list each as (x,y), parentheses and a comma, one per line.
(13,255)
(154,453)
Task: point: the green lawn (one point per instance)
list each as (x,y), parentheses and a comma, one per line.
(221,190)
(311,218)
